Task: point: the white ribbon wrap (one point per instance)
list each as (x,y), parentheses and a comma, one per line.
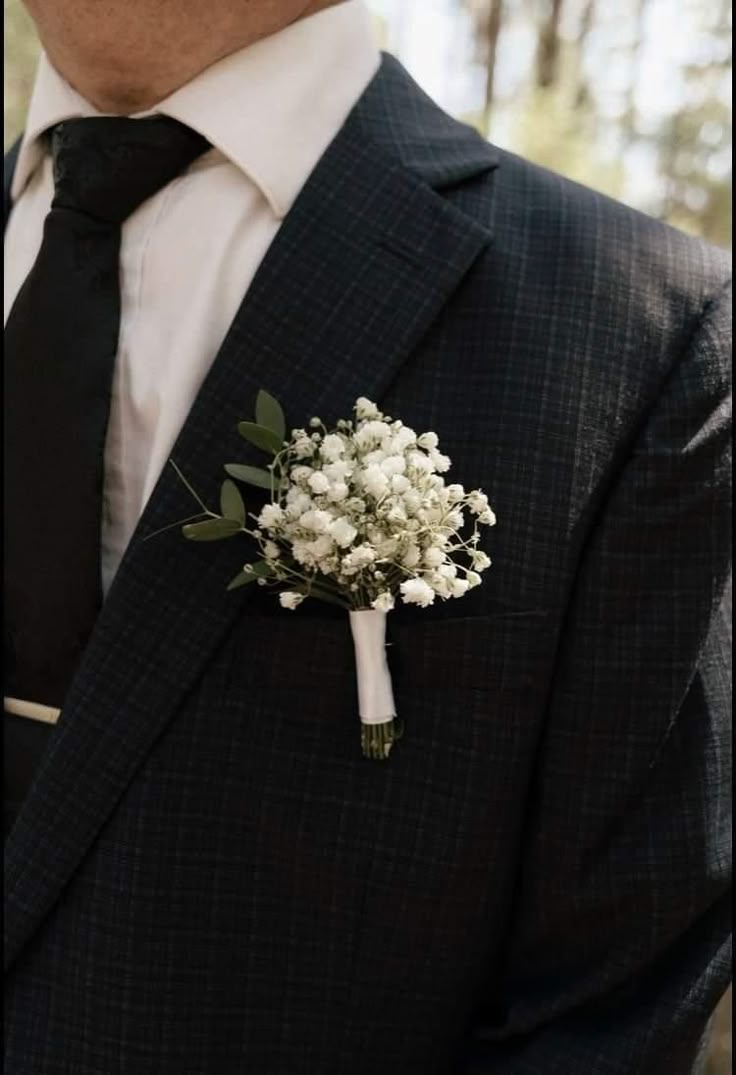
(375,693)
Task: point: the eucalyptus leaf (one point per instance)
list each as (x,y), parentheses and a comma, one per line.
(243,578)
(270,414)
(231,502)
(251,573)
(261,436)
(251,475)
(211,530)
(262,569)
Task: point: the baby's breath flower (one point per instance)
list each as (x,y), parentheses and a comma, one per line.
(393,464)
(396,513)
(488,517)
(343,532)
(359,558)
(271,550)
(371,434)
(377,456)
(375,481)
(290,599)
(455,493)
(480,560)
(440,585)
(433,557)
(420,462)
(315,520)
(337,492)
(384,602)
(297,503)
(300,551)
(440,462)
(402,439)
(332,447)
(365,409)
(411,556)
(477,501)
(400,483)
(412,501)
(416,592)
(318,483)
(271,516)
(428,440)
(387,548)
(473,579)
(338,471)
(355,506)
(302,447)
(320,548)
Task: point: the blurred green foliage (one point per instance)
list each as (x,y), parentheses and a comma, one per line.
(577,100)
(20,55)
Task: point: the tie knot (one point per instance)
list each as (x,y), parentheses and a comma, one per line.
(107,166)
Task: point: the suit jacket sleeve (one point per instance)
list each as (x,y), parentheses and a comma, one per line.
(620,944)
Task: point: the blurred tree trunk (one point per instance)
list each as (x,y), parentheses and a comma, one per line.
(493,32)
(548,47)
(582,90)
(629,120)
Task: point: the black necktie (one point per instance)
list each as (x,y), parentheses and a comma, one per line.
(60,344)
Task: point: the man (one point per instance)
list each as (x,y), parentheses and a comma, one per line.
(203,874)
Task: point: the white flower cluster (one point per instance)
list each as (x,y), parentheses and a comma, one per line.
(364,512)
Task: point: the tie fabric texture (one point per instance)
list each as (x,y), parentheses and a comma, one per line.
(61,340)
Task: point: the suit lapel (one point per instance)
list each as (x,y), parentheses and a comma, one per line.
(361,266)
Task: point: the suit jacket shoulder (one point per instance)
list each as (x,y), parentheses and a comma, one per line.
(601,294)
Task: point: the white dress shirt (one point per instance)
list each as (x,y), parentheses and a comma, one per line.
(189,254)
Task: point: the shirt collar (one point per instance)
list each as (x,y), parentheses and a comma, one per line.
(271,108)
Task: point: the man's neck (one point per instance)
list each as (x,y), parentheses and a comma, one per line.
(137,73)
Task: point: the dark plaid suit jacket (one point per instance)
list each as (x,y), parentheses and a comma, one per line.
(207,877)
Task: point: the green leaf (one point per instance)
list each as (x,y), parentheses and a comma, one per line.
(262,569)
(320,594)
(211,530)
(270,414)
(251,573)
(241,579)
(251,475)
(261,436)
(231,502)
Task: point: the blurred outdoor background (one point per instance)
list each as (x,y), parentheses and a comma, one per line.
(632,98)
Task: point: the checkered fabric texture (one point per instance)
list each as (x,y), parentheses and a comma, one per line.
(208,879)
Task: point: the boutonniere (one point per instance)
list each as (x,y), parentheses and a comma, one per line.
(361,517)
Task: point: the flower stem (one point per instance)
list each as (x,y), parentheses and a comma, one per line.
(376,740)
